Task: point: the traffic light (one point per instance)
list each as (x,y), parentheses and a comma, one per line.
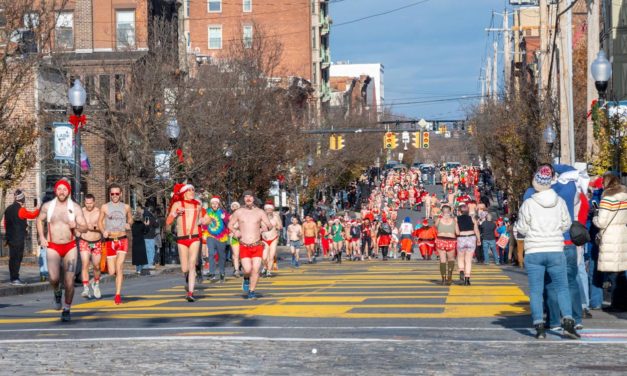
(425,140)
(340,142)
(389,141)
(417,143)
(333,142)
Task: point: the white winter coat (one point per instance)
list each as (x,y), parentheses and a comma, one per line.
(612,223)
(543,219)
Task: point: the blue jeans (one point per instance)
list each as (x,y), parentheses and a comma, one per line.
(570,252)
(487,246)
(596,278)
(150,252)
(213,245)
(582,282)
(553,264)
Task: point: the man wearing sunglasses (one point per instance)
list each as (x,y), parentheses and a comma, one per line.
(115,219)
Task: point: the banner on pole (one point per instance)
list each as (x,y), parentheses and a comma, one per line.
(63,141)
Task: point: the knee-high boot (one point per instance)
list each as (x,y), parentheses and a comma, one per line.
(449,276)
(443,272)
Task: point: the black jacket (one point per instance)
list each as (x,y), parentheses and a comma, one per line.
(15,226)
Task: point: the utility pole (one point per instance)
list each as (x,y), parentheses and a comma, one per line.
(545,56)
(594,45)
(488,77)
(507,62)
(567,134)
(495,70)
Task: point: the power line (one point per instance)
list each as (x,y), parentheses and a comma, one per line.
(379,14)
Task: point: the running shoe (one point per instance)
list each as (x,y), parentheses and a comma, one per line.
(252,295)
(18,282)
(540,332)
(236,274)
(85,294)
(65,315)
(569,329)
(96,287)
(214,278)
(117,300)
(297,264)
(57,300)
(222,279)
(190,297)
(246,284)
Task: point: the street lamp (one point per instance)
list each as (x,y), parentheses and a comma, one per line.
(549,136)
(77,97)
(601,70)
(228,153)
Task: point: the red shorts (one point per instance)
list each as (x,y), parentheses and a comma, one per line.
(310,240)
(62,249)
(188,241)
(250,251)
(95,248)
(447,245)
(115,246)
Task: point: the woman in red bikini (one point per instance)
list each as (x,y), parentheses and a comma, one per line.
(271,240)
(187,212)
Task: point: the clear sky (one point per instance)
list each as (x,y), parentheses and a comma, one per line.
(430,51)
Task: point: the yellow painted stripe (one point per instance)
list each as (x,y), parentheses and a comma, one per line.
(487,299)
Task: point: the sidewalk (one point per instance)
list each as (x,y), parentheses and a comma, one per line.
(29,273)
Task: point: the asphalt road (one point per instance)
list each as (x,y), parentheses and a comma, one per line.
(372,317)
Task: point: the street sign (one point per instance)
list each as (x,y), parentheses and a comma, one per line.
(405,137)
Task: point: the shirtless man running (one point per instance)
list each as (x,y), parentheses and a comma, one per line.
(271,239)
(187,213)
(90,248)
(115,219)
(310,231)
(246,224)
(64,217)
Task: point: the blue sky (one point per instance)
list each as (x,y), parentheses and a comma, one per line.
(430,51)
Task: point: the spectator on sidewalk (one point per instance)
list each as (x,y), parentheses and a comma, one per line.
(152,225)
(15,217)
(488,239)
(138,231)
(543,220)
(611,220)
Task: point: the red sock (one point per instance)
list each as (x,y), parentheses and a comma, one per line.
(85,283)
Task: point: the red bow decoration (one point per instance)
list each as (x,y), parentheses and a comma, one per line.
(179,154)
(78,122)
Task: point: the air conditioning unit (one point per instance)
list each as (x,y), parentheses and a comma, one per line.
(25,40)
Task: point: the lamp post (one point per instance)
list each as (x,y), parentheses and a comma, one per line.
(549,137)
(77,97)
(601,70)
(228,153)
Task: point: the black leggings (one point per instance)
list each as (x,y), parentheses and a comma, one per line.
(384,250)
(366,241)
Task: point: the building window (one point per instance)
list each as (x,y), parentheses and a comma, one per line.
(315,74)
(125,28)
(31,20)
(120,87)
(105,88)
(214,6)
(215,37)
(248,36)
(247,5)
(187,5)
(313,38)
(64,31)
(188,38)
(90,89)
(313,6)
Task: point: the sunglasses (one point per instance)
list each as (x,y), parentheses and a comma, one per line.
(114,194)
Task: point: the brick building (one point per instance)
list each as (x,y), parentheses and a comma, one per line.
(96,41)
(212,28)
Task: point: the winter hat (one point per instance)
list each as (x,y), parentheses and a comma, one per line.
(215,199)
(543,178)
(19,196)
(64,183)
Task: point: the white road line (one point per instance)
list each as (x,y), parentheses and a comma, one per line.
(23,330)
(287,339)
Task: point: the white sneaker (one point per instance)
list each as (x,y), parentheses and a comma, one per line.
(86,294)
(578,327)
(96,287)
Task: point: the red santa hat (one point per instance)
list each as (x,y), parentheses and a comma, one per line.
(62,182)
(268,205)
(425,222)
(185,187)
(215,199)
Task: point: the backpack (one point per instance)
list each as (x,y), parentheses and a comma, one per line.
(579,235)
(385,229)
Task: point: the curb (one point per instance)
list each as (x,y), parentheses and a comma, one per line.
(45,286)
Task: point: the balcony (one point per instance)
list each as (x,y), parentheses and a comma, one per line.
(325,58)
(325,24)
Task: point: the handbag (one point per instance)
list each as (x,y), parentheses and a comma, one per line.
(503,241)
(579,234)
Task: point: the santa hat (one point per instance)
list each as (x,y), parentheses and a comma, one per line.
(185,188)
(215,199)
(425,222)
(64,183)
(268,205)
